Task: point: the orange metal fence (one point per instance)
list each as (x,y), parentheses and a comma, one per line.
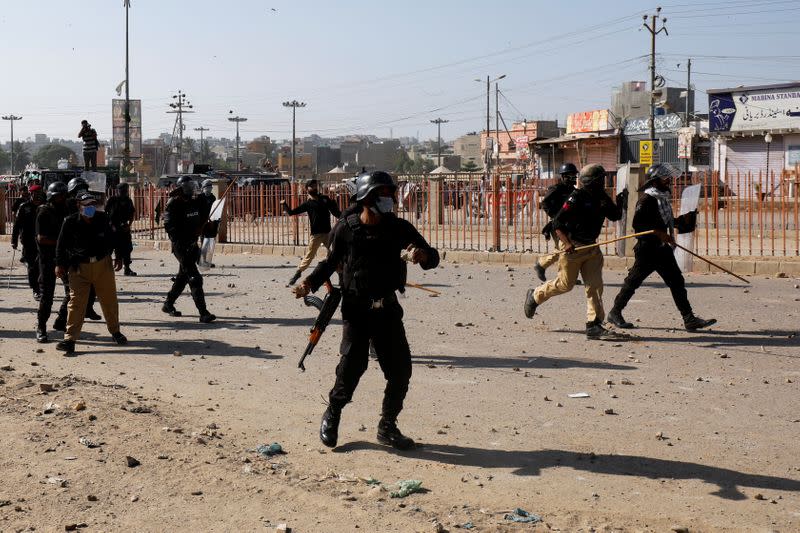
(741,215)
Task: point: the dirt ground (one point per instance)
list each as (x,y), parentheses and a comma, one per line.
(680,430)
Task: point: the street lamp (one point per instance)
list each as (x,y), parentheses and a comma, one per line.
(237,119)
(294,104)
(12,118)
(768,140)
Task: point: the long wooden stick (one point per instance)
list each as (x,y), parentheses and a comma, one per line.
(711,263)
(420,287)
(632,235)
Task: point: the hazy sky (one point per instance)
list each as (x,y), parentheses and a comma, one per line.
(367,66)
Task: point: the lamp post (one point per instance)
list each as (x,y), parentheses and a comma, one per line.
(12,118)
(496,178)
(294,104)
(126,154)
(237,119)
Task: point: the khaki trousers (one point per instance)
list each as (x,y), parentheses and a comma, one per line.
(81,279)
(314,243)
(589,264)
(548,260)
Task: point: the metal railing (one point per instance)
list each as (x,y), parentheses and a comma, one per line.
(740,215)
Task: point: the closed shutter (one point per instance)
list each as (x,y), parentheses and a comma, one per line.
(603,154)
(749,156)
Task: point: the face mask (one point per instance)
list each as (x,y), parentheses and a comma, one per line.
(384,204)
(88,211)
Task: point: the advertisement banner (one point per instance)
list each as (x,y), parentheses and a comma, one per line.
(664,124)
(588,121)
(118,128)
(760,109)
(685,136)
(523,150)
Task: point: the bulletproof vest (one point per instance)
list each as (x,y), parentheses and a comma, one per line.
(372,266)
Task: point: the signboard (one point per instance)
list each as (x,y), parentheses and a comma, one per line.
(758,109)
(793,155)
(664,124)
(646,153)
(523,150)
(685,137)
(118,128)
(588,121)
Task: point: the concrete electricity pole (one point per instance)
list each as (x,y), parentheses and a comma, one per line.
(654,30)
(12,118)
(178,107)
(126,154)
(201,129)
(686,119)
(439,123)
(294,104)
(237,119)
(488,159)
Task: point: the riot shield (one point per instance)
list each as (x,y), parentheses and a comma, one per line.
(622,183)
(689,202)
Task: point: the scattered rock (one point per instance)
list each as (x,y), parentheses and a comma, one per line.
(679,529)
(46,387)
(91,498)
(89,444)
(58,481)
(609,412)
(80,405)
(7,368)
(134,499)
(177,353)
(50,407)
(626,382)
(283,528)
(759,496)
(197,493)
(132,462)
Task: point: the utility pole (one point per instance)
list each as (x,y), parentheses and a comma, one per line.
(237,119)
(178,107)
(439,123)
(654,30)
(12,118)
(201,129)
(497,121)
(294,104)
(686,119)
(126,154)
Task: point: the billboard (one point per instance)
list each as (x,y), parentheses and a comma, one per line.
(588,121)
(523,150)
(118,128)
(755,109)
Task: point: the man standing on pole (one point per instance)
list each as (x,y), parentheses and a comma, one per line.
(654,252)
(579,223)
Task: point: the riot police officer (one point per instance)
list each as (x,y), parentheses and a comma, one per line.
(75,187)
(24,230)
(552,202)
(183,220)
(121,212)
(368,245)
(654,252)
(49,219)
(579,223)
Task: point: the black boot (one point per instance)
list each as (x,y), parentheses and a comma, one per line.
(119,338)
(389,434)
(207,318)
(41,336)
(616,318)
(595,331)
(68,347)
(169,308)
(128,271)
(60,324)
(530,304)
(692,322)
(329,428)
(539,269)
(91,314)
(294,278)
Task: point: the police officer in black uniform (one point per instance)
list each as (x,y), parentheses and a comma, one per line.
(368,245)
(49,219)
(24,230)
(184,220)
(121,212)
(654,253)
(552,202)
(76,186)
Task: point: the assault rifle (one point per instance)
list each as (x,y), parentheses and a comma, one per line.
(326,309)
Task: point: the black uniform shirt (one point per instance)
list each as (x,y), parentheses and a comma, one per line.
(80,240)
(555,197)
(25,225)
(370,256)
(49,219)
(120,210)
(183,220)
(584,213)
(319,211)
(647,217)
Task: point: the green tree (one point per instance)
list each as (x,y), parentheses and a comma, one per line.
(206,154)
(402,163)
(47,156)
(188,148)
(5,161)
(21,157)
(469,166)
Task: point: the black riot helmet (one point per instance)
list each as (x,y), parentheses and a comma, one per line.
(76,185)
(56,188)
(122,188)
(187,186)
(593,176)
(658,172)
(568,169)
(370,181)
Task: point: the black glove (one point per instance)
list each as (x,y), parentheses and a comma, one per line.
(687,222)
(622,198)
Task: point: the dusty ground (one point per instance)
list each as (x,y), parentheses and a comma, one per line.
(703,432)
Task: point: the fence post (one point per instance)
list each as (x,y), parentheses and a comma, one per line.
(218,187)
(3,212)
(436,199)
(496,211)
